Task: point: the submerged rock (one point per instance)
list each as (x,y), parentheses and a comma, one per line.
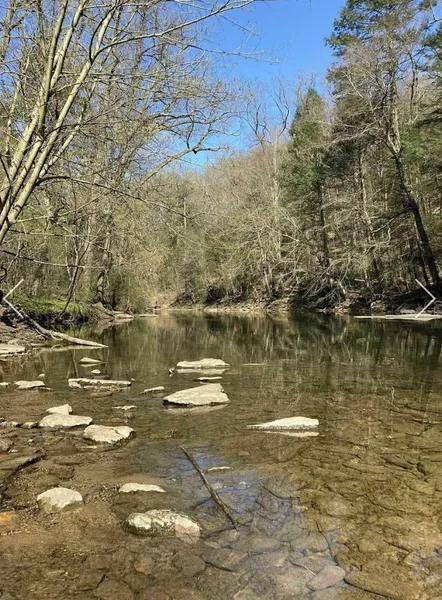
(329,576)
(206,395)
(140,487)
(56,421)
(107,435)
(89,361)
(163,523)
(64,409)
(59,498)
(85,381)
(288,424)
(29,385)
(202,365)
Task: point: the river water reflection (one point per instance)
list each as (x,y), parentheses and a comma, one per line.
(364,495)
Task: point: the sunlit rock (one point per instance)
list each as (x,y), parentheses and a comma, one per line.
(89,361)
(208,379)
(95,372)
(57,421)
(64,409)
(202,365)
(288,424)
(206,395)
(164,523)
(140,487)
(154,390)
(107,435)
(58,499)
(29,385)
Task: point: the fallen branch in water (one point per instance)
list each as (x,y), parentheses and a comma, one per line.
(49,334)
(212,492)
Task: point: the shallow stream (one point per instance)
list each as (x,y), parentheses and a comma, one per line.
(364,495)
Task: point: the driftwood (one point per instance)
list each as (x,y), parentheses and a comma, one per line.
(56,335)
(212,492)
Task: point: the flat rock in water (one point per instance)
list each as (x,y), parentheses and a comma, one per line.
(287,424)
(29,385)
(95,372)
(74,385)
(202,365)
(84,381)
(57,421)
(154,390)
(164,523)
(208,379)
(11,349)
(107,435)
(64,409)
(140,487)
(59,498)
(4,384)
(89,361)
(127,407)
(206,395)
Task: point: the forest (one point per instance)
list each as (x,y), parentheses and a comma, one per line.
(332,199)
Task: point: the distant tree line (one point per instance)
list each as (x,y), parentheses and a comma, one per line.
(338,196)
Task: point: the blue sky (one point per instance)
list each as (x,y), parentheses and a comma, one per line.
(293,31)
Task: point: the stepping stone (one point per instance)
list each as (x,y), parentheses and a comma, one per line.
(153,390)
(84,381)
(29,385)
(164,523)
(57,421)
(140,487)
(206,395)
(287,424)
(64,409)
(202,365)
(89,361)
(107,435)
(58,499)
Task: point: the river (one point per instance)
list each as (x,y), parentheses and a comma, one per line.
(360,503)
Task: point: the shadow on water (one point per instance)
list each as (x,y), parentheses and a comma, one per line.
(364,495)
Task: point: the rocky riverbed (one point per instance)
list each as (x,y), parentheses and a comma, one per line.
(352,513)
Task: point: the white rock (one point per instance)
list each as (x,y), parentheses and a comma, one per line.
(107,435)
(29,385)
(4,384)
(128,407)
(30,425)
(74,385)
(59,498)
(164,523)
(208,379)
(89,361)
(56,421)
(287,424)
(202,365)
(217,469)
(296,434)
(41,376)
(84,381)
(95,372)
(64,409)
(10,349)
(140,487)
(153,390)
(206,395)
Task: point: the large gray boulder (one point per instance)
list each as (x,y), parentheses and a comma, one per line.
(57,421)
(59,498)
(287,424)
(206,395)
(164,523)
(108,435)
